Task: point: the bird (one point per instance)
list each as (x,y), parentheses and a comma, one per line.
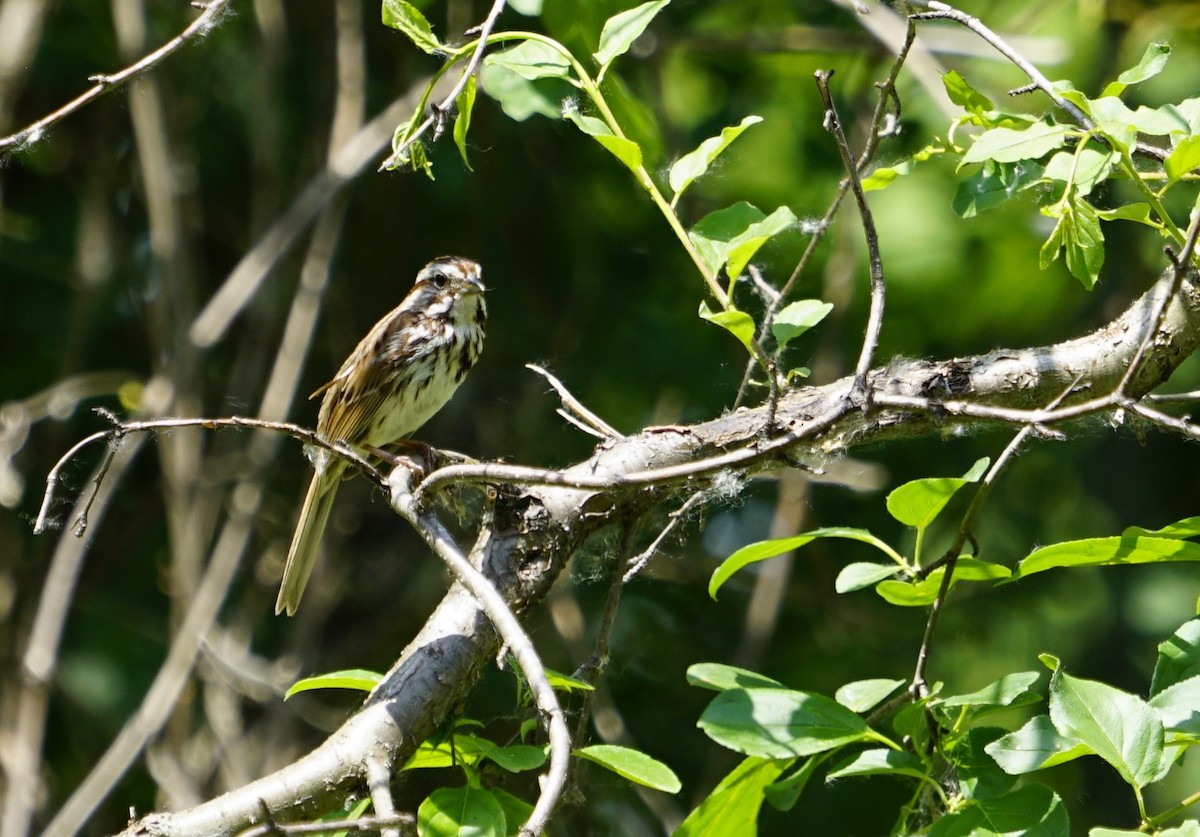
(402,372)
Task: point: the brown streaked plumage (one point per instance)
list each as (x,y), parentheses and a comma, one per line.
(398,376)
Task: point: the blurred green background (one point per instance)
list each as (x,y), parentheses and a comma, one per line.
(587,279)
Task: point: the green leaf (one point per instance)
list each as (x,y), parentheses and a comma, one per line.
(355,678)
(735,802)
(622,29)
(560,682)
(1189,527)
(738,323)
(797,318)
(434,756)
(865,695)
(1106,552)
(1010,690)
(884,176)
(1035,746)
(1139,212)
(964,95)
(518,97)
(1030,811)
(719,677)
(862,574)
(734,234)
(693,165)
(529,8)
(924,592)
(531,60)
(1083,169)
(465,103)
(1152,63)
(762,550)
(994,184)
(918,502)
(516,811)
(1178,657)
(634,765)
(780,723)
(625,150)
(1006,145)
(515,758)
(881,760)
(405,17)
(456,812)
(1078,234)
(783,794)
(1183,159)
(1119,727)
(1178,707)
(979,776)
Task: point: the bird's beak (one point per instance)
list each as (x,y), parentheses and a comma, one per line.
(475,285)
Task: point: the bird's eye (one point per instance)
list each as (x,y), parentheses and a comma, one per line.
(439,280)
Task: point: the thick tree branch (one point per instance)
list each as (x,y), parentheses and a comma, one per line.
(530,531)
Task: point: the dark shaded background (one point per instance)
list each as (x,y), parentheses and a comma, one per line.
(587,279)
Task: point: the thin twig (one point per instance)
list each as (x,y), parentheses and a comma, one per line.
(638,563)
(105,83)
(833,124)
(151,425)
(919,686)
(437,112)
(574,405)
(942,11)
(404,501)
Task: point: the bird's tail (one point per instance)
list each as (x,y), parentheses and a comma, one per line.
(314,514)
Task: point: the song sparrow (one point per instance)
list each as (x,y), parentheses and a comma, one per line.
(398,376)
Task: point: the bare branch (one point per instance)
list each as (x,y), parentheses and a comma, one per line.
(105,83)
(597,425)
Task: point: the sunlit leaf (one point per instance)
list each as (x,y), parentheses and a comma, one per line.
(798,317)
(924,592)
(964,95)
(1119,727)
(738,323)
(762,550)
(919,502)
(780,723)
(1178,657)
(1035,746)
(455,812)
(734,802)
(1152,63)
(878,761)
(532,60)
(356,678)
(634,765)
(465,104)
(1106,552)
(693,165)
(865,695)
(1083,169)
(719,677)
(862,574)
(1005,145)
(1183,159)
(733,235)
(622,29)
(405,17)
